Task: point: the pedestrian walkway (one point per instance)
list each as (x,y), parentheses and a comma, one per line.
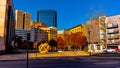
(59,54)
(13,57)
(23,56)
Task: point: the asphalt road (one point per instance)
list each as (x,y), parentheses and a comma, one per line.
(62,62)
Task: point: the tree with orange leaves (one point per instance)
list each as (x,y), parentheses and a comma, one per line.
(60,42)
(78,40)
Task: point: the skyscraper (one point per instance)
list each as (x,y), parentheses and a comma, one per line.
(19,19)
(22,24)
(49,17)
(22,20)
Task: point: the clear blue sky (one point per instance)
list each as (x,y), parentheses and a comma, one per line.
(70,12)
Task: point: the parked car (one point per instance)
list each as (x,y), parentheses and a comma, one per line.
(117,50)
(110,50)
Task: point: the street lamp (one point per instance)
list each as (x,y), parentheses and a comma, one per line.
(27,61)
(27,55)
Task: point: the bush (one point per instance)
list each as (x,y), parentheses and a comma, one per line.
(85,48)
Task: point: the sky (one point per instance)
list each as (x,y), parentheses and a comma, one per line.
(70,13)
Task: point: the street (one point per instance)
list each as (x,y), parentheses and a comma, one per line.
(62,62)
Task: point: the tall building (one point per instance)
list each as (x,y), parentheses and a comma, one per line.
(22,20)
(22,24)
(19,19)
(26,21)
(7,24)
(49,17)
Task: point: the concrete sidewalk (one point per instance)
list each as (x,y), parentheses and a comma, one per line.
(23,56)
(59,54)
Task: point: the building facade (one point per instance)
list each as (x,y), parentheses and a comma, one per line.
(7,24)
(37,24)
(22,33)
(22,20)
(79,28)
(51,31)
(113,31)
(49,17)
(22,24)
(38,35)
(93,35)
(63,34)
(19,19)
(106,31)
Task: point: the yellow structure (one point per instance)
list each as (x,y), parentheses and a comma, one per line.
(43,48)
(79,28)
(52,32)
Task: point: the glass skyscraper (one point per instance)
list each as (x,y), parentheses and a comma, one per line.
(48,17)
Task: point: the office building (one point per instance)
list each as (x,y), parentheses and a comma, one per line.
(51,31)
(38,35)
(48,17)
(22,24)
(22,33)
(78,29)
(22,20)
(7,24)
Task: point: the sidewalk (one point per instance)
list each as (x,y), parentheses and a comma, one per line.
(13,57)
(23,56)
(59,54)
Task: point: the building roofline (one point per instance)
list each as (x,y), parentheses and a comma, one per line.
(75,26)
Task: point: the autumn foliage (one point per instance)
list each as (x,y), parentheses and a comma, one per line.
(76,40)
(60,42)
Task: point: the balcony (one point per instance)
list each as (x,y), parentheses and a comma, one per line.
(115,42)
(113,26)
(112,37)
(113,32)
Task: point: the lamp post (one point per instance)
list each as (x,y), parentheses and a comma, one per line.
(27,55)
(27,60)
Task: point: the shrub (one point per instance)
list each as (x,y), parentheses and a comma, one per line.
(85,48)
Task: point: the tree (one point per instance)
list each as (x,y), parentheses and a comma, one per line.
(77,40)
(60,42)
(53,44)
(80,40)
